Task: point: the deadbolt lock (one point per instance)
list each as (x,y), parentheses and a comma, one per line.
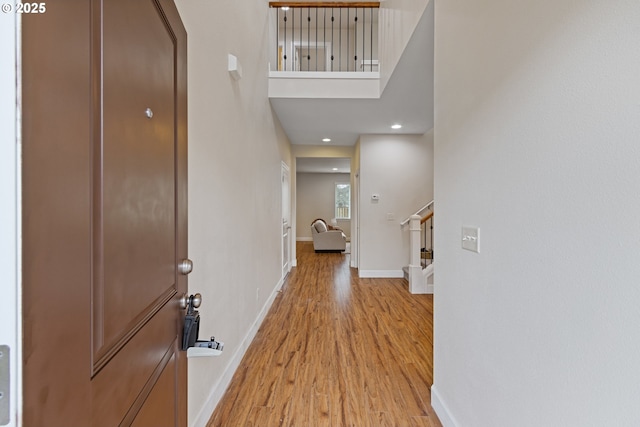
(185,266)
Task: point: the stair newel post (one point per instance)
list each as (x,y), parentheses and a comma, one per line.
(414,240)
(416,278)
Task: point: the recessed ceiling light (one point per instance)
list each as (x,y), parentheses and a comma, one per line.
(396,126)
(326,139)
(335,169)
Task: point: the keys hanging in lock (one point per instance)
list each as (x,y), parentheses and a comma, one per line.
(190,342)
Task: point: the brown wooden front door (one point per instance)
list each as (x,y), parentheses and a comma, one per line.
(104,214)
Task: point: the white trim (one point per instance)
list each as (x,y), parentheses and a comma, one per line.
(441,408)
(335,196)
(286,220)
(19,312)
(304,239)
(10,214)
(419,279)
(355,220)
(217,391)
(295,53)
(325,84)
(369,63)
(342,75)
(428,278)
(381,274)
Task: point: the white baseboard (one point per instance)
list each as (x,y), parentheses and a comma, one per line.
(443,412)
(220,387)
(304,239)
(381,274)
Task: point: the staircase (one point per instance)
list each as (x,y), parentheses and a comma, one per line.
(420,271)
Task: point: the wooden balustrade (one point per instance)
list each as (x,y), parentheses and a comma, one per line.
(426,218)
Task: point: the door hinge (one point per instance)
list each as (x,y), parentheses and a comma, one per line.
(5,385)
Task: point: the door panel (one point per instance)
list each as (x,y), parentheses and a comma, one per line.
(104,214)
(135,245)
(121,380)
(160,406)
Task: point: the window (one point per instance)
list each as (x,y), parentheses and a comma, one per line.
(343,200)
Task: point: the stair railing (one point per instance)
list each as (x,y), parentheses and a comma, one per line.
(418,212)
(426,250)
(420,274)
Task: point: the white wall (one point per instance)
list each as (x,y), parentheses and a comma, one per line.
(9,161)
(315,197)
(399,168)
(236,147)
(537,131)
(398,19)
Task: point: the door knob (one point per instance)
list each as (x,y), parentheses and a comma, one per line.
(185,266)
(196,300)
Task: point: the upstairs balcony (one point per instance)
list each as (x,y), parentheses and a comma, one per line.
(338,70)
(324,50)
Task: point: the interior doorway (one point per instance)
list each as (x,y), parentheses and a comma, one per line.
(316,179)
(286,220)
(312,58)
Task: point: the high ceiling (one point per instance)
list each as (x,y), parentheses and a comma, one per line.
(407,99)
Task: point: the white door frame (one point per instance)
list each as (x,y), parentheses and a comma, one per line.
(302,45)
(355,221)
(10,330)
(295,46)
(286,220)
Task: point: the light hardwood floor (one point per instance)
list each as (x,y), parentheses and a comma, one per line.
(336,350)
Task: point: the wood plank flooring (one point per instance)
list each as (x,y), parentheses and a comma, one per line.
(336,350)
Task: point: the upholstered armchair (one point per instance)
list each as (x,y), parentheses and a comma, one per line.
(327,238)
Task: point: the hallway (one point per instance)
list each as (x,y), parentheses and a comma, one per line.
(336,350)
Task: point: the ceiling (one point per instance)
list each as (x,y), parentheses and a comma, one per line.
(323,165)
(407,100)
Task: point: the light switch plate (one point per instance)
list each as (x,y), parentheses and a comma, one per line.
(471,239)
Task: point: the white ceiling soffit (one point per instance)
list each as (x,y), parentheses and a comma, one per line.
(323,165)
(407,99)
